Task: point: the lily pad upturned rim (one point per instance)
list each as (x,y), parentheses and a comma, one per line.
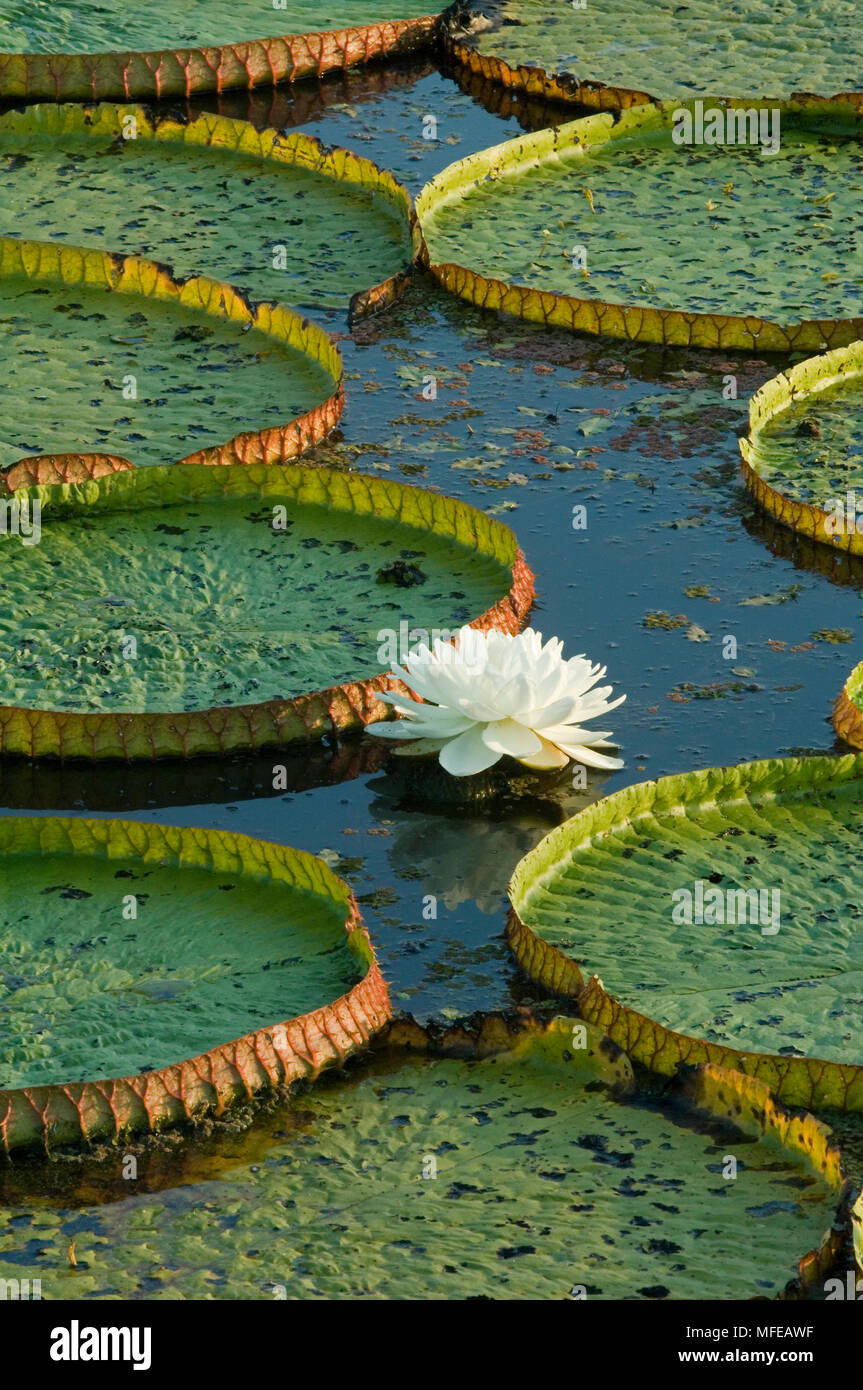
(804,379)
(43,1118)
(531,79)
(36,733)
(56,263)
(565,87)
(633,323)
(847,713)
(799,1081)
(208,130)
(719,1092)
(185,72)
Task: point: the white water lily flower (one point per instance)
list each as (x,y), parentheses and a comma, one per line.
(496,694)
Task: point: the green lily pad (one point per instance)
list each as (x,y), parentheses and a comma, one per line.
(200,609)
(739,48)
(194,381)
(112,354)
(517,1176)
(63,52)
(279,216)
(122,957)
(80,985)
(814,447)
(613,228)
(802,458)
(719,908)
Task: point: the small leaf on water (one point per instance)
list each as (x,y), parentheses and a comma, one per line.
(780,596)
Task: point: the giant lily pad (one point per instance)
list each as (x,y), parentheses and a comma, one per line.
(128,947)
(280,216)
(803,458)
(174,611)
(513,1175)
(63,53)
(112,353)
(667,890)
(611,55)
(610,227)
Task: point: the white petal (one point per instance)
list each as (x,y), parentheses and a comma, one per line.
(477,710)
(572,733)
(580,753)
(393,728)
(548,757)
(403,704)
(467,754)
(513,697)
(417,729)
(449,721)
(507,736)
(450,681)
(416,682)
(433,728)
(420,748)
(556,713)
